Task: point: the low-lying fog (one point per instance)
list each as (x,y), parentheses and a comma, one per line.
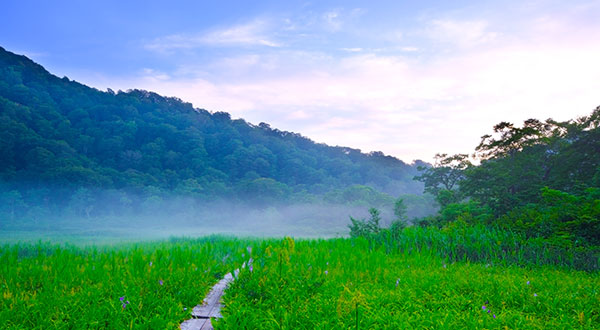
(96,219)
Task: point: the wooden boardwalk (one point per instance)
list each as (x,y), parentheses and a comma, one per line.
(211,307)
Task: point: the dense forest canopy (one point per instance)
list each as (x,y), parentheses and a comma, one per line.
(62,142)
(541,179)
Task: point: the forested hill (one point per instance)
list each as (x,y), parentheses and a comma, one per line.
(57,132)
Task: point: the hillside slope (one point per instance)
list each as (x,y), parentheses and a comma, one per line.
(58,133)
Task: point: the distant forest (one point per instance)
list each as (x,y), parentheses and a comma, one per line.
(64,144)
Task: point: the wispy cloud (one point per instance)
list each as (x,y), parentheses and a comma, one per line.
(404,98)
(353,49)
(465,33)
(337,19)
(332,19)
(254,33)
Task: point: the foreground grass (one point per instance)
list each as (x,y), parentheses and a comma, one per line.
(134,286)
(424,279)
(341,284)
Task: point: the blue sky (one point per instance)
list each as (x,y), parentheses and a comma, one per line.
(409,78)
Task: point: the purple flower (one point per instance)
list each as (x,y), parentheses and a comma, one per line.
(527,282)
(150,263)
(483,307)
(160,282)
(397,282)
(494,315)
(326,272)
(488,311)
(251,268)
(535,294)
(124,305)
(122,298)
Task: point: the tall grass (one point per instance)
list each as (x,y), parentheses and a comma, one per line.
(478,243)
(416,278)
(352,284)
(143,286)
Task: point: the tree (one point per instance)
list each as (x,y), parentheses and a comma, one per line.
(400,209)
(442,179)
(399,222)
(13,202)
(82,202)
(366,228)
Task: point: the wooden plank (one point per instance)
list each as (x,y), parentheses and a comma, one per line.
(207,325)
(210,305)
(193,324)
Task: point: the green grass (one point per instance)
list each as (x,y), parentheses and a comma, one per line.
(345,284)
(66,287)
(424,278)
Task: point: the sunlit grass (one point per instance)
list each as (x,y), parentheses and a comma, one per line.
(142,285)
(418,280)
(345,284)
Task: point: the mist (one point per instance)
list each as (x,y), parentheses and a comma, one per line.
(92,216)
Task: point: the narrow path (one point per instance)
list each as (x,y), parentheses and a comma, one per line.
(211,307)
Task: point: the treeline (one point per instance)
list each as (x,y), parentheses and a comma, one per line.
(541,180)
(62,142)
(534,199)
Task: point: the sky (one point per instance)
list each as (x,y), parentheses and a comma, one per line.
(409,78)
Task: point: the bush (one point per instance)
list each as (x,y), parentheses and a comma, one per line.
(561,219)
(364,228)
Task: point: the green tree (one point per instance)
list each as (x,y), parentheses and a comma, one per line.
(443,178)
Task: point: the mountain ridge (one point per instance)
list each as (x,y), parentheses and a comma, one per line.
(55,132)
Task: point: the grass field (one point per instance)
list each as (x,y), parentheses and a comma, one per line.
(292,284)
(342,284)
(131,286)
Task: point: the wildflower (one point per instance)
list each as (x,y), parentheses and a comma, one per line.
(527,282)
(160,282)
(494,315)
(397,282)
(326,272)
(535,294)
(251,268)
(185,308)
(150,263)
(483,307)
(125,303)
(249,249)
